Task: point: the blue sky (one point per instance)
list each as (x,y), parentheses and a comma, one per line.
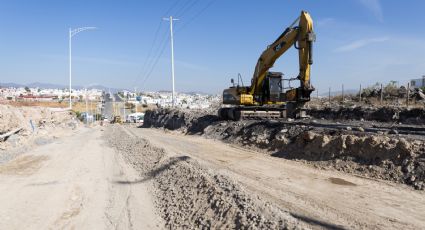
(358,41)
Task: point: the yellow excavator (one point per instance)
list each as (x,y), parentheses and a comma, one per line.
(268,96)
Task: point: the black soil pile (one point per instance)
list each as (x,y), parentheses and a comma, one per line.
(414,116)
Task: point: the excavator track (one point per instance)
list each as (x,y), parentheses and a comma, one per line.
(261,112)
(242,113)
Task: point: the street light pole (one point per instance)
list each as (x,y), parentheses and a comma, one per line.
(73,32)
(70,69)
(171,19)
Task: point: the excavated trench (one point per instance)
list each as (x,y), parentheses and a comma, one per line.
(350,147)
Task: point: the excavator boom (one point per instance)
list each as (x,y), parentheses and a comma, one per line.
(303,35)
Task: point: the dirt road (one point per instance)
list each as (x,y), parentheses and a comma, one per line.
(71,183)
(325,199)
(124,177)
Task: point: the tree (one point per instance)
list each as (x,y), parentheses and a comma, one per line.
(27,89)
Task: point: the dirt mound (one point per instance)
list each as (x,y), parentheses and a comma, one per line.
(172,119)
(192,197)
(388,157)
(31,120)
(383,114)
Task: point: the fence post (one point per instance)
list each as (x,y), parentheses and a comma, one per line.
(408,95)
(329,95)
(360,93)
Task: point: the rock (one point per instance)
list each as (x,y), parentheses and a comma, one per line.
(360,129)
(309,136)
(348,128)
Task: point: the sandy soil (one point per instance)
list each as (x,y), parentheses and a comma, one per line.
(123,177)
(73,183)
(324,199)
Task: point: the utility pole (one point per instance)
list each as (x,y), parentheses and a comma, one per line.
(135,97)
(360,93)
(329,96)
(70,69)
(93,112)
(87,112)
(382,94)
(125,119)
(408,94)
(171,19)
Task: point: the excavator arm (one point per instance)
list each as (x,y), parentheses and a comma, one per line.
(302,37)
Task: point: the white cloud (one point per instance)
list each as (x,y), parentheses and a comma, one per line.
(360,43)
(375,7)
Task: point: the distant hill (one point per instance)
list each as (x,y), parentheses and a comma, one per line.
(100,87)
(57,86)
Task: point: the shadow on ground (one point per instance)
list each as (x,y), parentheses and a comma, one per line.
(320,223)
(152,174)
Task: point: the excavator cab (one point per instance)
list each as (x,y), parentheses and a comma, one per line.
(272,89)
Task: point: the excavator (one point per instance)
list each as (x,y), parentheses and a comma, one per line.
(268,96)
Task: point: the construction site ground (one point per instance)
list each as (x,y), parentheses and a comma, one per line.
(124,177)
(345,168)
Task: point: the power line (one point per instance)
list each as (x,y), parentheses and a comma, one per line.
(180,14)
(154,60)
(172,7)
(155,63)
(151,47)
(195,16)
(183,7)
(151,60)
(144,67)
(162,45)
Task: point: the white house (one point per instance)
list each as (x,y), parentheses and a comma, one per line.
(418,83)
